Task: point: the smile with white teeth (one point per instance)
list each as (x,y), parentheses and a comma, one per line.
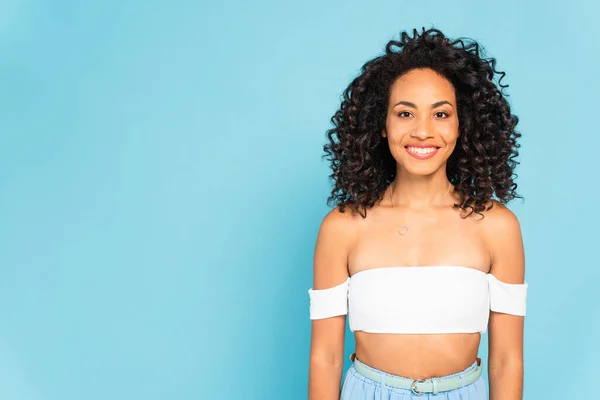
(422,150)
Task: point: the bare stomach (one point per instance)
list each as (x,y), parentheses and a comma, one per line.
(417,356)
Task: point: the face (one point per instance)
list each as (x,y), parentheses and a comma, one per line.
(422,121)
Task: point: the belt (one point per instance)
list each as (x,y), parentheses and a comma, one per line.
(420,386)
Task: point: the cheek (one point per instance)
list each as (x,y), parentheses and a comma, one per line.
(397,142)
(399,131)
(451,138)
(396,136)
(395,132)
(450,133)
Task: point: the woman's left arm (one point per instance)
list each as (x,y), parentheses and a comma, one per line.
(505,331)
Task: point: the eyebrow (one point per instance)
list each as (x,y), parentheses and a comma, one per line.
(413,105)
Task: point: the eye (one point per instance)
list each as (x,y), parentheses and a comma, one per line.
(441,114)
(404,114)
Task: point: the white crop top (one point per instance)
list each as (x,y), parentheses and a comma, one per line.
(436,299)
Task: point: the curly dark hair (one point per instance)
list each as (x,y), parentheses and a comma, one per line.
(483,161)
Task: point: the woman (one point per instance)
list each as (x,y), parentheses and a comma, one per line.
(418,254)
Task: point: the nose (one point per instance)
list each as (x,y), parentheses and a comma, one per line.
(422,129)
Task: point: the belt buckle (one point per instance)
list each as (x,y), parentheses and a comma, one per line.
(413,386)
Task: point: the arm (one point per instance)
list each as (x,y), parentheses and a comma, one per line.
(327,334)
(505,363)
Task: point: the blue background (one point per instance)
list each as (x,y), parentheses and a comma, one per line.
(161,187)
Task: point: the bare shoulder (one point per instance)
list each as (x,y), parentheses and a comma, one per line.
(340,224)
(502,233)
(336,235)
(500,219)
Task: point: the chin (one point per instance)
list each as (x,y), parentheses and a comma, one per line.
(425,169)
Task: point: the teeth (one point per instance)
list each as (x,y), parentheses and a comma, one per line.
(422,150)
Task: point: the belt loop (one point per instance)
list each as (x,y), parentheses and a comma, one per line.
(434,386)
(462,380)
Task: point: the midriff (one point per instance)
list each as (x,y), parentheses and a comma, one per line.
(417,356)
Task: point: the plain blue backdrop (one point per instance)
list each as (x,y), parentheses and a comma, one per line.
(161,187)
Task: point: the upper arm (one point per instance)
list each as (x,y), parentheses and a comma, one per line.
(503,235)
(330,268)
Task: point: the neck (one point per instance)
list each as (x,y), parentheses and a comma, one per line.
(421,192)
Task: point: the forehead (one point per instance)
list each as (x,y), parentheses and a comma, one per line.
(422,84)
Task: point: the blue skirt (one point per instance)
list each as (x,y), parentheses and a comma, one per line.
(359,387)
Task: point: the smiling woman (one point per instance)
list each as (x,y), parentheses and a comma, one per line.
(424,127)
(420,252)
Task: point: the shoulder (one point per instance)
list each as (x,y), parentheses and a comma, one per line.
(338,217)
(335,237)
(339,225)
(500,220)
(502,234)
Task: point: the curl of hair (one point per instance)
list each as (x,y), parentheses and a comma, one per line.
(483,161)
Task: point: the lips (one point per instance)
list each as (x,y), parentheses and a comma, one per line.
(422,152)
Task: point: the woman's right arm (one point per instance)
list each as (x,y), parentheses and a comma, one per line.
(330,268)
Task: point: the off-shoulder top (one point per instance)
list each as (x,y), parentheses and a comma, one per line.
(431,299)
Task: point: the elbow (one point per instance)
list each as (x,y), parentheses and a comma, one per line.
(327,359)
